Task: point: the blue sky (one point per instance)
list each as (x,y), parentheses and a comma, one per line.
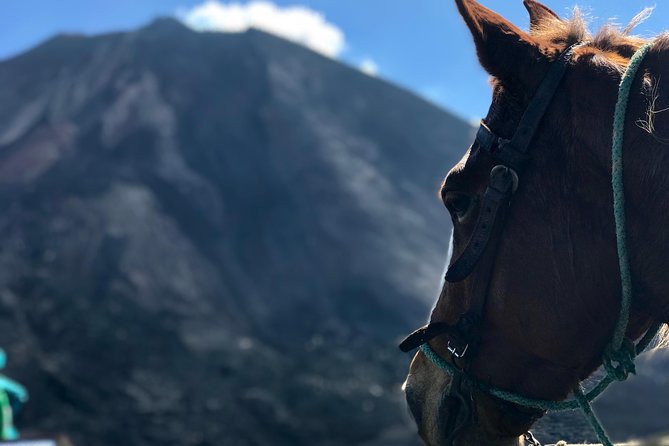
(419,44)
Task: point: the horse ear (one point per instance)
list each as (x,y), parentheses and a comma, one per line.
(539,14)
(505,51)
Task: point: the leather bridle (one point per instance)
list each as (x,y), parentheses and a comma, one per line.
(510,157)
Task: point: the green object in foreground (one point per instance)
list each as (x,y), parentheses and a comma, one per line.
(618,359)
(8,431)
(18,392)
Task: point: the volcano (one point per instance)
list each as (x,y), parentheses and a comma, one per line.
(214,239)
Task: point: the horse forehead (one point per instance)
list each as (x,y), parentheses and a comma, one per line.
(457,173)
(470,174)
(506,110)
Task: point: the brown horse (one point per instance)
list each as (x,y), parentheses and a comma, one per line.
(553,294)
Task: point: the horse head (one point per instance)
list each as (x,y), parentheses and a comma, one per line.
(545,287)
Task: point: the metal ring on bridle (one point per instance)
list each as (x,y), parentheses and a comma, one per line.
(507,171)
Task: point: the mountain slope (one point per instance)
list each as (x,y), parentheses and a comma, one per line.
(214,238)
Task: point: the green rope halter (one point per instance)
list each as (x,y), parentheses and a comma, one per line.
(619,355)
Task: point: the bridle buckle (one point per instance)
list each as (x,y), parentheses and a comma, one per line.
(530,439)
(454,350)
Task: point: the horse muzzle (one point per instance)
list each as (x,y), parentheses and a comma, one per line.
(442,418)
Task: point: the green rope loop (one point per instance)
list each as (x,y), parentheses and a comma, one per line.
(619,364)
(619,194)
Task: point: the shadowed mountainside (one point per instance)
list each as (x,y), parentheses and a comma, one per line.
(214,239)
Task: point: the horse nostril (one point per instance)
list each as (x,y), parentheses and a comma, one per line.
(415,408)
(455,410)
(449,415)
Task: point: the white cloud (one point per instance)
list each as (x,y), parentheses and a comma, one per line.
(368,66)
(296,23)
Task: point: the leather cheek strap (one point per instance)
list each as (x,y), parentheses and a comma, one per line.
(513,155)
(498,193)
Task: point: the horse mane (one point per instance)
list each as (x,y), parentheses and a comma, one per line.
(616,44)
(662,338)
(612,45)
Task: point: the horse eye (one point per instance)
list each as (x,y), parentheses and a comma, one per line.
(458,204)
